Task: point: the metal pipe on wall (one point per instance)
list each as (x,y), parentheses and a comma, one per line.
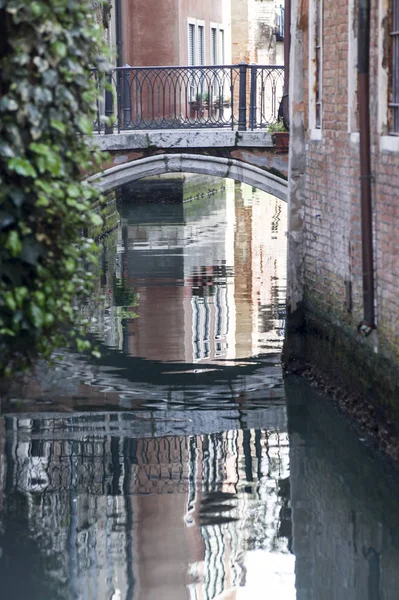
(363,66)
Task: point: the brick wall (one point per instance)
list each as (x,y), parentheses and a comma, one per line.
(330,189)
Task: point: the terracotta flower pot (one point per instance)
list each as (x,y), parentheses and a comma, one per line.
(281,140)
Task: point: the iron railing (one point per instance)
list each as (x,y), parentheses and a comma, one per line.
(235,96)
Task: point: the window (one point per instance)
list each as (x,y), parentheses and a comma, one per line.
(191,44)
(213,46)
(279,24)
(315,68)
(222,50)
(201,45)
(393,121)
(319,60)
(353,112)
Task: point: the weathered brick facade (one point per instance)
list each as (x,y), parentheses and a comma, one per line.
(325,237)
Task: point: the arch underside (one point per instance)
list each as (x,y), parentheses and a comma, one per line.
(188,163)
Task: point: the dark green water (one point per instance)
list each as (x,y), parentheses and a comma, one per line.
(181,465)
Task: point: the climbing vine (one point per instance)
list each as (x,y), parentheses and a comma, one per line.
(47,99)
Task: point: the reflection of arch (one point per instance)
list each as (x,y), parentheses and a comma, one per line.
(191,163)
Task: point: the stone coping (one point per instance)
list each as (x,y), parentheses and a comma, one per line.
(183,138)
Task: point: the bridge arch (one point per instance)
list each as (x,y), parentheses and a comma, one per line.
(190,163)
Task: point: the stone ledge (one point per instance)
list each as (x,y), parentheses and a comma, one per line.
(182,138)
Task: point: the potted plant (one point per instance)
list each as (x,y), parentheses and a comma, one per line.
(280,136)
(200,104)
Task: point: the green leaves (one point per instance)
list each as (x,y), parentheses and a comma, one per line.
(59,49)
(85,125)
(13,243)
(21,166)
(46,110)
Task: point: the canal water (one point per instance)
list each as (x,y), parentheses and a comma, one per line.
(181,465)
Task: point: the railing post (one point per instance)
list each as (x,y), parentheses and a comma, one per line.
(252,99)
(109,107)
(242,102)
(127,100)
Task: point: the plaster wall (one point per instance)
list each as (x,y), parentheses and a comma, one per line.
(155,33)
(205,12)
(150,32)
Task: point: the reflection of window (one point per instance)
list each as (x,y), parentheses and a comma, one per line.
(200,327)
(221,320)
(394,75)
(210,311)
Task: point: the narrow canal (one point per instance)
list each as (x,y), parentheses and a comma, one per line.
(181,465)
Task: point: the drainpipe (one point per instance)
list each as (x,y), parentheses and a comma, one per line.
(363,64)
(118,24)
(287,49)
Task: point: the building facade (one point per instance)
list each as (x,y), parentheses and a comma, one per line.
(258,31)
(171,32)
(344,250)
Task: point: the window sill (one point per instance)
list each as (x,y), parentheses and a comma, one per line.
(315,134)
(389,143)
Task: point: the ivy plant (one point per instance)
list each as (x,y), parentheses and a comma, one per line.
(47,103)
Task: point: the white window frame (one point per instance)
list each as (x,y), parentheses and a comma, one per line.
(197,23)
(222,46)
(353,126)
(201,24)
(388,143)
(213,27)
(219,54)
(192,22)
(315,132)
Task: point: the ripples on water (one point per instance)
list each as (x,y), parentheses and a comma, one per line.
(165,469)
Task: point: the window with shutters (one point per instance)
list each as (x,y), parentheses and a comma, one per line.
(319,57)
(393,120)
(315,68)
(222,48)
(353,112)
(213,46)
(388,75)
(191,44)
(201,45)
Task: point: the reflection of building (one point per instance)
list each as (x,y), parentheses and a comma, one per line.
(205,278)
(144,518)
(344,505)
(197,266)
(183,273)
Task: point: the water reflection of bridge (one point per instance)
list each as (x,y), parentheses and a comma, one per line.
(134,514)
(210,275)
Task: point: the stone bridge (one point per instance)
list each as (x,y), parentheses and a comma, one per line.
(246,156)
